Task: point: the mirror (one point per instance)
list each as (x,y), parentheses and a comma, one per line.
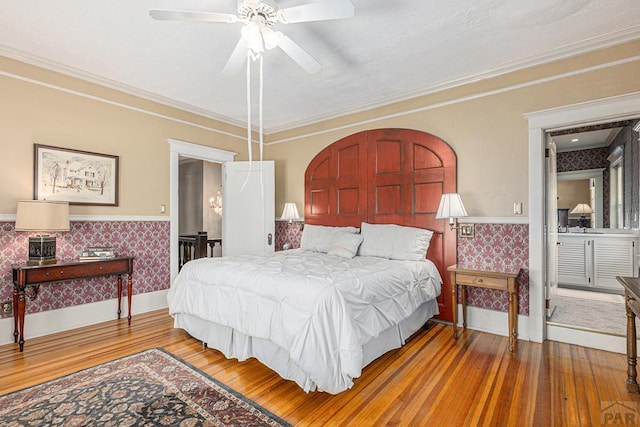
(577,187)
(600,167)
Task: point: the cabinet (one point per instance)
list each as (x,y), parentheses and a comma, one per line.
(594,261)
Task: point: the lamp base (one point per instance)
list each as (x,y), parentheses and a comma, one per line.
(582,222)
(42,250)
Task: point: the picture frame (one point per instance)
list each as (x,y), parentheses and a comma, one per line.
(75,176)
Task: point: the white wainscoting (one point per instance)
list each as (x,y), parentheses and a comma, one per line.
(64,319)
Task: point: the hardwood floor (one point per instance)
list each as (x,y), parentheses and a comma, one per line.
(431,380)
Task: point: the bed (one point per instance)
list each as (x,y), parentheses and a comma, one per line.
(360,284)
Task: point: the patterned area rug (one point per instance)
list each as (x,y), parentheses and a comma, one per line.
(150,388)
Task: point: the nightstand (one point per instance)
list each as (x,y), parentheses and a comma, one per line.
(479,278)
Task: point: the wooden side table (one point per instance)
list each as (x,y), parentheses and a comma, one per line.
(502,280)
(37,275)
(632,305)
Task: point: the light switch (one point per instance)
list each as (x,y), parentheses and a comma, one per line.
(163,208)
(517,208)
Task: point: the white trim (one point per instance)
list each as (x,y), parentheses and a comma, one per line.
(446,103)
(582,47)
(565,52)
(167,102)
(181,148)
(77,316)
(494,220)
(493,322)
(581,174)
(12,218)
(597,111)
(589,339)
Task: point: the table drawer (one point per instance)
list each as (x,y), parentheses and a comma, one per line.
(482,281)
(76,271)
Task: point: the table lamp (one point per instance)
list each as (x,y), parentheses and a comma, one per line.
(42,216)
(582,209)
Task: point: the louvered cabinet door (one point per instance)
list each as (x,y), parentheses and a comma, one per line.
(613,257)
(574,262)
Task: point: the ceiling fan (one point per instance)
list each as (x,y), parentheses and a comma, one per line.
(257,34)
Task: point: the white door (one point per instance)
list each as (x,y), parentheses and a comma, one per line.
(248,208)
(552,229)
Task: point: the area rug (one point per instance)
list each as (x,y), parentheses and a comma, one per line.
(605,316)
(150,388)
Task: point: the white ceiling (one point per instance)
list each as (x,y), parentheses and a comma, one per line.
(585,140)
(390,50)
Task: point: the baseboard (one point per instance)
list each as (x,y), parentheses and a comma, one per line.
(608,342)
(52,321)
(493,322)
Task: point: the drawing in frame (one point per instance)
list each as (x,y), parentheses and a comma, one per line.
(74,176)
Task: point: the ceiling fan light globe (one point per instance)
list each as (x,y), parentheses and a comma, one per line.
(252,37)
(271,38)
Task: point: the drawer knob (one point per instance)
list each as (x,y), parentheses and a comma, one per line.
(479,280)
(61,271)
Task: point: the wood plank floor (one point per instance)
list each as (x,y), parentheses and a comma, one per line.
(432,380)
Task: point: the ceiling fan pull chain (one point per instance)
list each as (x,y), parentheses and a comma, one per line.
(260,110)
(249,58)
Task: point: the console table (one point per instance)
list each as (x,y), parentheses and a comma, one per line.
(36,275)
(631,287)
(466,275)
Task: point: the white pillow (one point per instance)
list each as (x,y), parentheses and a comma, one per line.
(319,238)
(394,242)
(345,245)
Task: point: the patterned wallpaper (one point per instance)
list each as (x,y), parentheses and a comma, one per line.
(494,246)
(287,232)
(497,246)
(147,241)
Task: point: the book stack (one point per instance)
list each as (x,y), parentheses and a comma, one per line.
(98,252)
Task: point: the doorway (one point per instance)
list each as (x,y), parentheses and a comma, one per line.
(181,149)
(595,112)
(587,296)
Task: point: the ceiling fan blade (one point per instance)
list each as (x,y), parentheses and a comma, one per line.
(191,16)
(237,59)
(319,11)
(298,54)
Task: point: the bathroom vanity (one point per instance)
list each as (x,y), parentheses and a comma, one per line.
(592,259)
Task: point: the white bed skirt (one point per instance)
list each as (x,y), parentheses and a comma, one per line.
(236,345)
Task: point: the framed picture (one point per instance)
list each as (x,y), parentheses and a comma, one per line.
(77,177)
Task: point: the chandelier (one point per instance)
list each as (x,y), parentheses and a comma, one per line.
(215,203)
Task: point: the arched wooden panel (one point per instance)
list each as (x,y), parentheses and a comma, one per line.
(387,176)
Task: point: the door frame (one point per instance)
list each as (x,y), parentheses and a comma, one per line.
(195,151)
(588,113)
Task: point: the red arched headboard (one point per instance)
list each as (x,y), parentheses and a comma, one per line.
(387,176)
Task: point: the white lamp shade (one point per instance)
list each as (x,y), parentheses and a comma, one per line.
(451,207)
(582,208)
(290,212)
(42,215)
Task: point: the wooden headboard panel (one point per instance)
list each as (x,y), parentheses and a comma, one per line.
(387,176)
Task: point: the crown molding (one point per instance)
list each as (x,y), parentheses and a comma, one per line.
(568,51)
(57,67)
(565,52)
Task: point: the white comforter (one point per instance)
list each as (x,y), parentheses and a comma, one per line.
(321,308)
